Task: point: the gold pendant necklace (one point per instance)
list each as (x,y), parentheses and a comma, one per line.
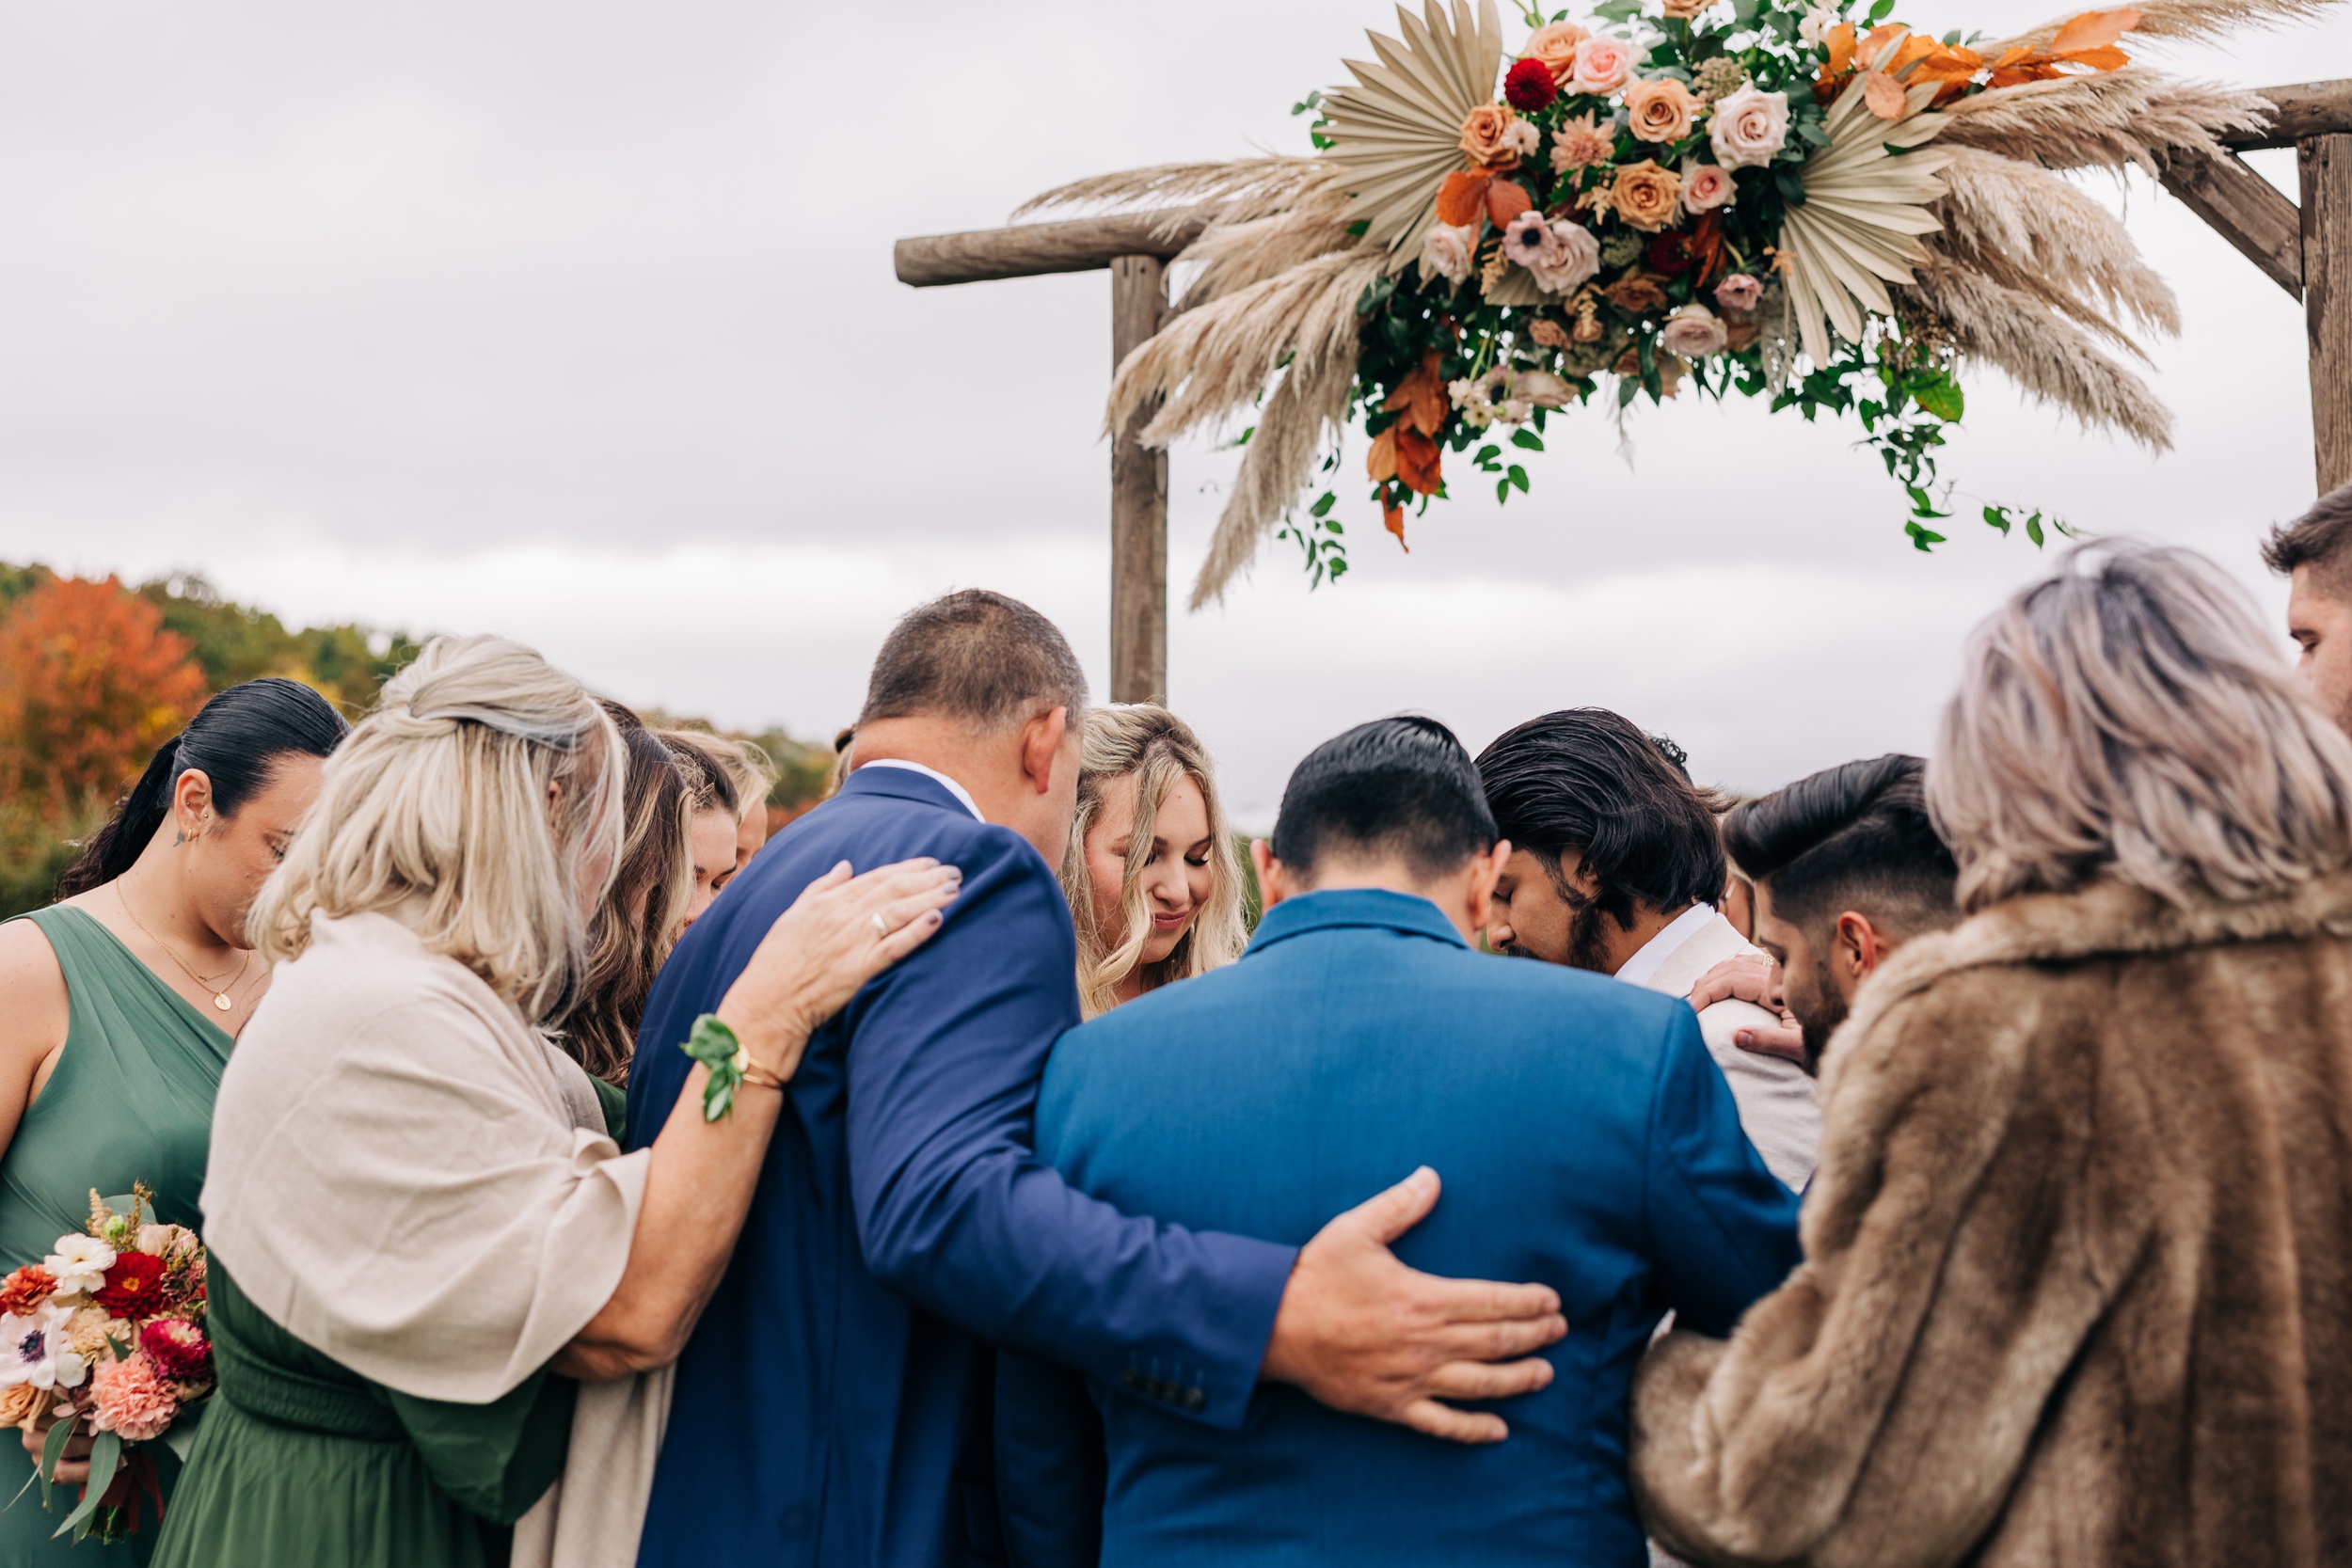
(220,997)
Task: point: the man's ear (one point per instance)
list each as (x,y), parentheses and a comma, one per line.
(1860,945)
(1274,880)
(1041,747)
(1485,871)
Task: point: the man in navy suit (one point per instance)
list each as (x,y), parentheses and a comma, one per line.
(834,1404)
(1587,1140)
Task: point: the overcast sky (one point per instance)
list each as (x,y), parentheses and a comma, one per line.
(577,322)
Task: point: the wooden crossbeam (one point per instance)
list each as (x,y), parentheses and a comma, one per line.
(2304,109)
(2245,210)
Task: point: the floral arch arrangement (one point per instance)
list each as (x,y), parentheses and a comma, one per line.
(1831,211)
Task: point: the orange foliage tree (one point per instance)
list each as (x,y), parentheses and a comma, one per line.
(90,684)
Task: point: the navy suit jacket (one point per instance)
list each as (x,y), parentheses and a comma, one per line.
(834,1404)
(1585,1140)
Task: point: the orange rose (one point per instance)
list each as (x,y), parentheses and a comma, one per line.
(1555,45)
(1661,110)
(1637,294)
(1486,133)
(1646,195)
(1684,10)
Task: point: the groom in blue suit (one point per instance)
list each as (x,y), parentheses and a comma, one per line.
(834,1404)
(1587,1139)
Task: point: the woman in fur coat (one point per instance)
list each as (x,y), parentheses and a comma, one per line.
(2077,1284)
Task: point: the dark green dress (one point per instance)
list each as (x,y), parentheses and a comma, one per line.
(130,1101)
(302,1463)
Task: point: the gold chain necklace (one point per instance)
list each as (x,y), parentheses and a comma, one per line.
(220,997)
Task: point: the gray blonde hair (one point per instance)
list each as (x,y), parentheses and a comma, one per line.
(2127,717)
(1154,748)
(437,807)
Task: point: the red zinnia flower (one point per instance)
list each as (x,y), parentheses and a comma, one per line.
(1530,87)
(179,1349)
(135,1286)
(1670,254)
(26,1289)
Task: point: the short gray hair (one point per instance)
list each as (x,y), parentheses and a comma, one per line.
(2128,716)
(982,658)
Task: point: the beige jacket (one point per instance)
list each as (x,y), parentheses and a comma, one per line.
(1778,1107)
(2077,1277)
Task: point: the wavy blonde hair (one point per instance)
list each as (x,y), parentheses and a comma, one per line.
(2128,716)
(1154,748)
(438,805)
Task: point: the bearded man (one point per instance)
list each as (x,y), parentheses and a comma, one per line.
(2315,553)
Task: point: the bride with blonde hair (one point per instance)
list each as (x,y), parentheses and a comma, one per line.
(1153,884)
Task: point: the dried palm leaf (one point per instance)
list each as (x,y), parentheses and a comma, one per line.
(2042,227)
(2132,116)
(2049,357)
(1398,131)
(1864,207)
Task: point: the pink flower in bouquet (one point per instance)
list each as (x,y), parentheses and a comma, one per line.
(1706,187)
(130,1399)
(1749,128)
(1602,64)
(169,1241)
(1555,45)
(26,1289)
(1582,144)
(1740,291)
(34,1348)
(1573,261)
(1445,252)
(179,1350)
(1692,331)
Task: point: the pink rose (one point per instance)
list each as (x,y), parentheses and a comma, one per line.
(1602,64)
(1571,261)
(1738,291)
(1705,186)
(1692,331)
(1445,252)
(1749,127)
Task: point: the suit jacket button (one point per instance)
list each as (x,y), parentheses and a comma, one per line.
(1194,1400)
(1131,1379)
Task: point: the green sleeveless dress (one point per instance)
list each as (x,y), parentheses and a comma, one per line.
(130,1101)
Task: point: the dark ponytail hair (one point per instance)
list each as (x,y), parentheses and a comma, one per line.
(234,740)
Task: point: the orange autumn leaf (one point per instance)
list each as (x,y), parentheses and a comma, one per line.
(1841,50)
(1916,48)
(2093,30)
(2107,59)
(1463,196)
(1884,96)
(1417,462)
(1393,517)
(1505,200)
(1380,462)
(1421,398)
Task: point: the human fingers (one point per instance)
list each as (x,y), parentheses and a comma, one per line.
(1484,1380)
(1746,978)
(1385,1216)
(1454,1426)
(1474,1300)
(1785,1040)
(1506,1340)
(71,1472)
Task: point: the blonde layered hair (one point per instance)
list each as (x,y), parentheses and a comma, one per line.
(2128,716)
(438,806)
(1156,749)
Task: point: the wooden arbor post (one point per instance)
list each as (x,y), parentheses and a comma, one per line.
(1136,249)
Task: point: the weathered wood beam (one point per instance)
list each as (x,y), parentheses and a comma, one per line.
(2325,166)
(1138,501)
(2305,109)
(2245,210)
(1028,249)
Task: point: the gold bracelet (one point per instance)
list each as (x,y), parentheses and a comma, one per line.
(759,1077)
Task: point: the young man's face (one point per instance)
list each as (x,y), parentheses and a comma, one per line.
(2321,625)
(1535,914)
(1807,987)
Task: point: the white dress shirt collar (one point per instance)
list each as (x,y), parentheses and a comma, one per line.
(1655,952)
(943,780)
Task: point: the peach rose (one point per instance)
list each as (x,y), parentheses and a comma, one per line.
(1706,187)
(1582,144)
(1646,195)
(1555,45)
(1549,333)
(1749,127)
(1661,110)
(1445,252)
(1692,331)
(1602,64)
(21,1405)
(1685,10)
(1486,134)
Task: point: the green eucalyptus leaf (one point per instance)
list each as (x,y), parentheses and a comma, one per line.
(1528,439)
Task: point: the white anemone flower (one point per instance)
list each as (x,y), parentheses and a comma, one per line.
(80,1264)
(34,1349)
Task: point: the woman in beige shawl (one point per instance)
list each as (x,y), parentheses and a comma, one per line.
(422,1234)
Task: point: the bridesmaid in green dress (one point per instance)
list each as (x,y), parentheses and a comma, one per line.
(119,1006)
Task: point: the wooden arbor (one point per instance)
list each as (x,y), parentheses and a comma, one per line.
(2305,250)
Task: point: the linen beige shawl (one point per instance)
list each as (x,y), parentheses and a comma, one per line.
(408,1178)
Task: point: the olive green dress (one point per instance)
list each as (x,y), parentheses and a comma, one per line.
(130,1101)
(301,1462)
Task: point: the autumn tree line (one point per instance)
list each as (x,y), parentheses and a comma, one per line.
(95,674)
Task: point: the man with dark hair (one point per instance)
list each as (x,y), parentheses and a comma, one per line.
(1616,866)
(1846,868)
(1587,1140)
(2315,552)
(833,1406)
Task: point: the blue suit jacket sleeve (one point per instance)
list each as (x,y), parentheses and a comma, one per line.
(956,1214)
(1722,1228)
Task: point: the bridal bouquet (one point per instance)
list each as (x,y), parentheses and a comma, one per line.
(106,1336)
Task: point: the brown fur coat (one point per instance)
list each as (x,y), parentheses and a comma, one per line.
(2077,1287)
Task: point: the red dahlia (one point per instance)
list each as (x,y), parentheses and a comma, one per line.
(1530,87)
(179,1349)
(1670,254)
(135,1286)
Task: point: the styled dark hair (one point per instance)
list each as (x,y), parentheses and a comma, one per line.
(2320,538)
(975,656)
(1401,787)
(1856,836)
(637,925)
(236,740)
(1589,780)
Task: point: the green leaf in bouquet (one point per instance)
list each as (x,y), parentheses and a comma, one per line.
(105,1458)
(52,1450)
(1527,438)
(1942,397)
(1922,539)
